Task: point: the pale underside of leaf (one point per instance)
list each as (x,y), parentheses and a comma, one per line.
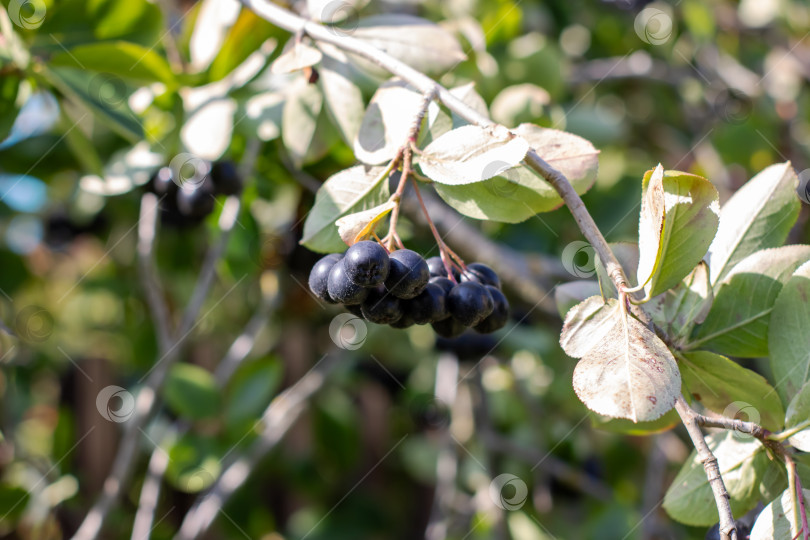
(422,44)
(651,224)
(625,370)
(344,99)
(797,419)
(296,56)
(358,226)
(519,193)
(779,519)
(387,122)
(471,154)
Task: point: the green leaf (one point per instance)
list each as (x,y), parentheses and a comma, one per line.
(727,388)
(88,91)
(756,217)
(387,122)
(742,464)
(787,335)
(679,309)
(422,44)
(349,191)
(691,217)
(343,97)
(626,371)
(568,295)
(520,193)
(305,129)
(246,36)
(250,390)
(471,154)
(194,464)
(191,392)
(737,324)
(628,427)
(120,58)
(797,419)
(779,519)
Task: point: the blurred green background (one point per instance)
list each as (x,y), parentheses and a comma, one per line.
(717,88)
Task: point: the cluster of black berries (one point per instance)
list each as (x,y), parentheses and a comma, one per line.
(403,289)
(188,200)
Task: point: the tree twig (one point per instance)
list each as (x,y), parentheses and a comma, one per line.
(159,462)
(293,23)
(728,530)
(147,230)
(446,388)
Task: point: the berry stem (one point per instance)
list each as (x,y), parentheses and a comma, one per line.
(444,252)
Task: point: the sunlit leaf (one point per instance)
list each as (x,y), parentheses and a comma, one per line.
(360,225)
(349,191)
(520,193)
(779,519)
(737,324)
(718,383)
(121,58)
(651,224)
(677,310)
(343,97)
(797,419)
(756,217)
(471,154)
(387,122)
(422,44)
(296,56)
(626,371)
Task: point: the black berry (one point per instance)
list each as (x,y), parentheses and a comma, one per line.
(427,306)
(444,283)
(405,321)
(319,275)
(226,178)
(481,273)
(341,288)
(355,309)
(196,200)
(163,182)
(469,303)
(381,307)
(436,267)
(367,263)
(448,328)
(408,274)
(500,312)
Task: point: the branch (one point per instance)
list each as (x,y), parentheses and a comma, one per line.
(277,420)
(159,462)
(728,530)
(295,24)
(147,398)
(446,388)
(147,229)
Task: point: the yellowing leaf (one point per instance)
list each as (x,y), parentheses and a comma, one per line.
(360,225)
